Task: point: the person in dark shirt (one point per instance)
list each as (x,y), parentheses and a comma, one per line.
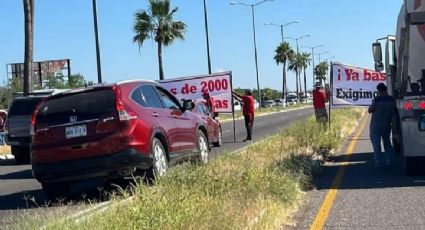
(383,109)
(248,111)
(209,101)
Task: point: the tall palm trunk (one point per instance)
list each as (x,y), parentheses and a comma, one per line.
(305,83)
(297,82)
(161,71)
(284,80)
(29,36)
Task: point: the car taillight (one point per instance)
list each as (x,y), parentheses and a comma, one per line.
(125,114)
(408,106)
(33,119)
(421,105)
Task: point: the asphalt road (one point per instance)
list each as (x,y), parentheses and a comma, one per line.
(20,192)
(367,197)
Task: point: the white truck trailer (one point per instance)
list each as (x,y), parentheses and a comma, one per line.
(404,65)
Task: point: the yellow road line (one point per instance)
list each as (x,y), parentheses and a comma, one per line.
(325,209)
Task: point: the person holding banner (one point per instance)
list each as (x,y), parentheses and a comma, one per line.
(248,111)
(209,101)
(320,97)
(383,109)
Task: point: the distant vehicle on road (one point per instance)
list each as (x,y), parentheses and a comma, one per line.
(17,126)
(215,135)
(268,103)
(112,131)
(280,102)
(292,99)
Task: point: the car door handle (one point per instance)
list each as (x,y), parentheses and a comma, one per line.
(155,114)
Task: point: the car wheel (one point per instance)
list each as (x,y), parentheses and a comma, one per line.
(203,148)
(160,162)
(219,139)
(21,154)
(55,191)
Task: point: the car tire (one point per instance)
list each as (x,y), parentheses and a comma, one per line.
(219,138)
(55,191)
(160,161)
(202,147)
(21,154)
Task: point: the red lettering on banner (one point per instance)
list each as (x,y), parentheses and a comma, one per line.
(348,72)
(221,104)
(339,74)
(173,91)
(373,76)
(367,75)
(186,89)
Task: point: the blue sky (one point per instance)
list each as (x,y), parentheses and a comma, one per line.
(64,29)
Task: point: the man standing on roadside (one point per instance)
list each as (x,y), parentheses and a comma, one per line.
(319,103)
(383,109)
(248,111)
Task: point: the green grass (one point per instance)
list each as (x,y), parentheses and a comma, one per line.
(266,180)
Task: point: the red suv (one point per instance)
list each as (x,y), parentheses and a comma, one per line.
(110,131)
(215,135)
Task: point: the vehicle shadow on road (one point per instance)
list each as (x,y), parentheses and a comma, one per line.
(362,174)
(20,175)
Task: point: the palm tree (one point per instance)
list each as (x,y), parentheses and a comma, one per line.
(29,38)
(295,64)
(321,71)
(157,23)
(306,62)
(284,52)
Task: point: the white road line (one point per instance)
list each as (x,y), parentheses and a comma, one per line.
(227,131)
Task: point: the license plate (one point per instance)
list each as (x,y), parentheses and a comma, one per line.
(75,131)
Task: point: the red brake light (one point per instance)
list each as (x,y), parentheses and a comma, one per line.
(125,114)
(408,106)
(34,117)
(421,105)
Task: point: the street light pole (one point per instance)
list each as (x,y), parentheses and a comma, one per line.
(255,41)
(96,33)
(284,91)
(207,36)
(312,58)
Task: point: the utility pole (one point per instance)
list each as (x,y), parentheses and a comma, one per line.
(96,34)
(207,36)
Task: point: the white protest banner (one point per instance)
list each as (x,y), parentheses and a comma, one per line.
(219,86)
(354,86)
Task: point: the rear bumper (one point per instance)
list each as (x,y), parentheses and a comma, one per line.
(115,165)
(20,141)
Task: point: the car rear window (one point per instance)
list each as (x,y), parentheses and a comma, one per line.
(24,106)
(86,105)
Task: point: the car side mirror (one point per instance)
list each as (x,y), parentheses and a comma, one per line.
(188,105)
(215,115)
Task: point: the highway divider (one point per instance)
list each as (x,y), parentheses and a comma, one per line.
(259,188)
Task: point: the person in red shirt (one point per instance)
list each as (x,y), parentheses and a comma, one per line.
(320,97)
(248,111)
(209,101)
